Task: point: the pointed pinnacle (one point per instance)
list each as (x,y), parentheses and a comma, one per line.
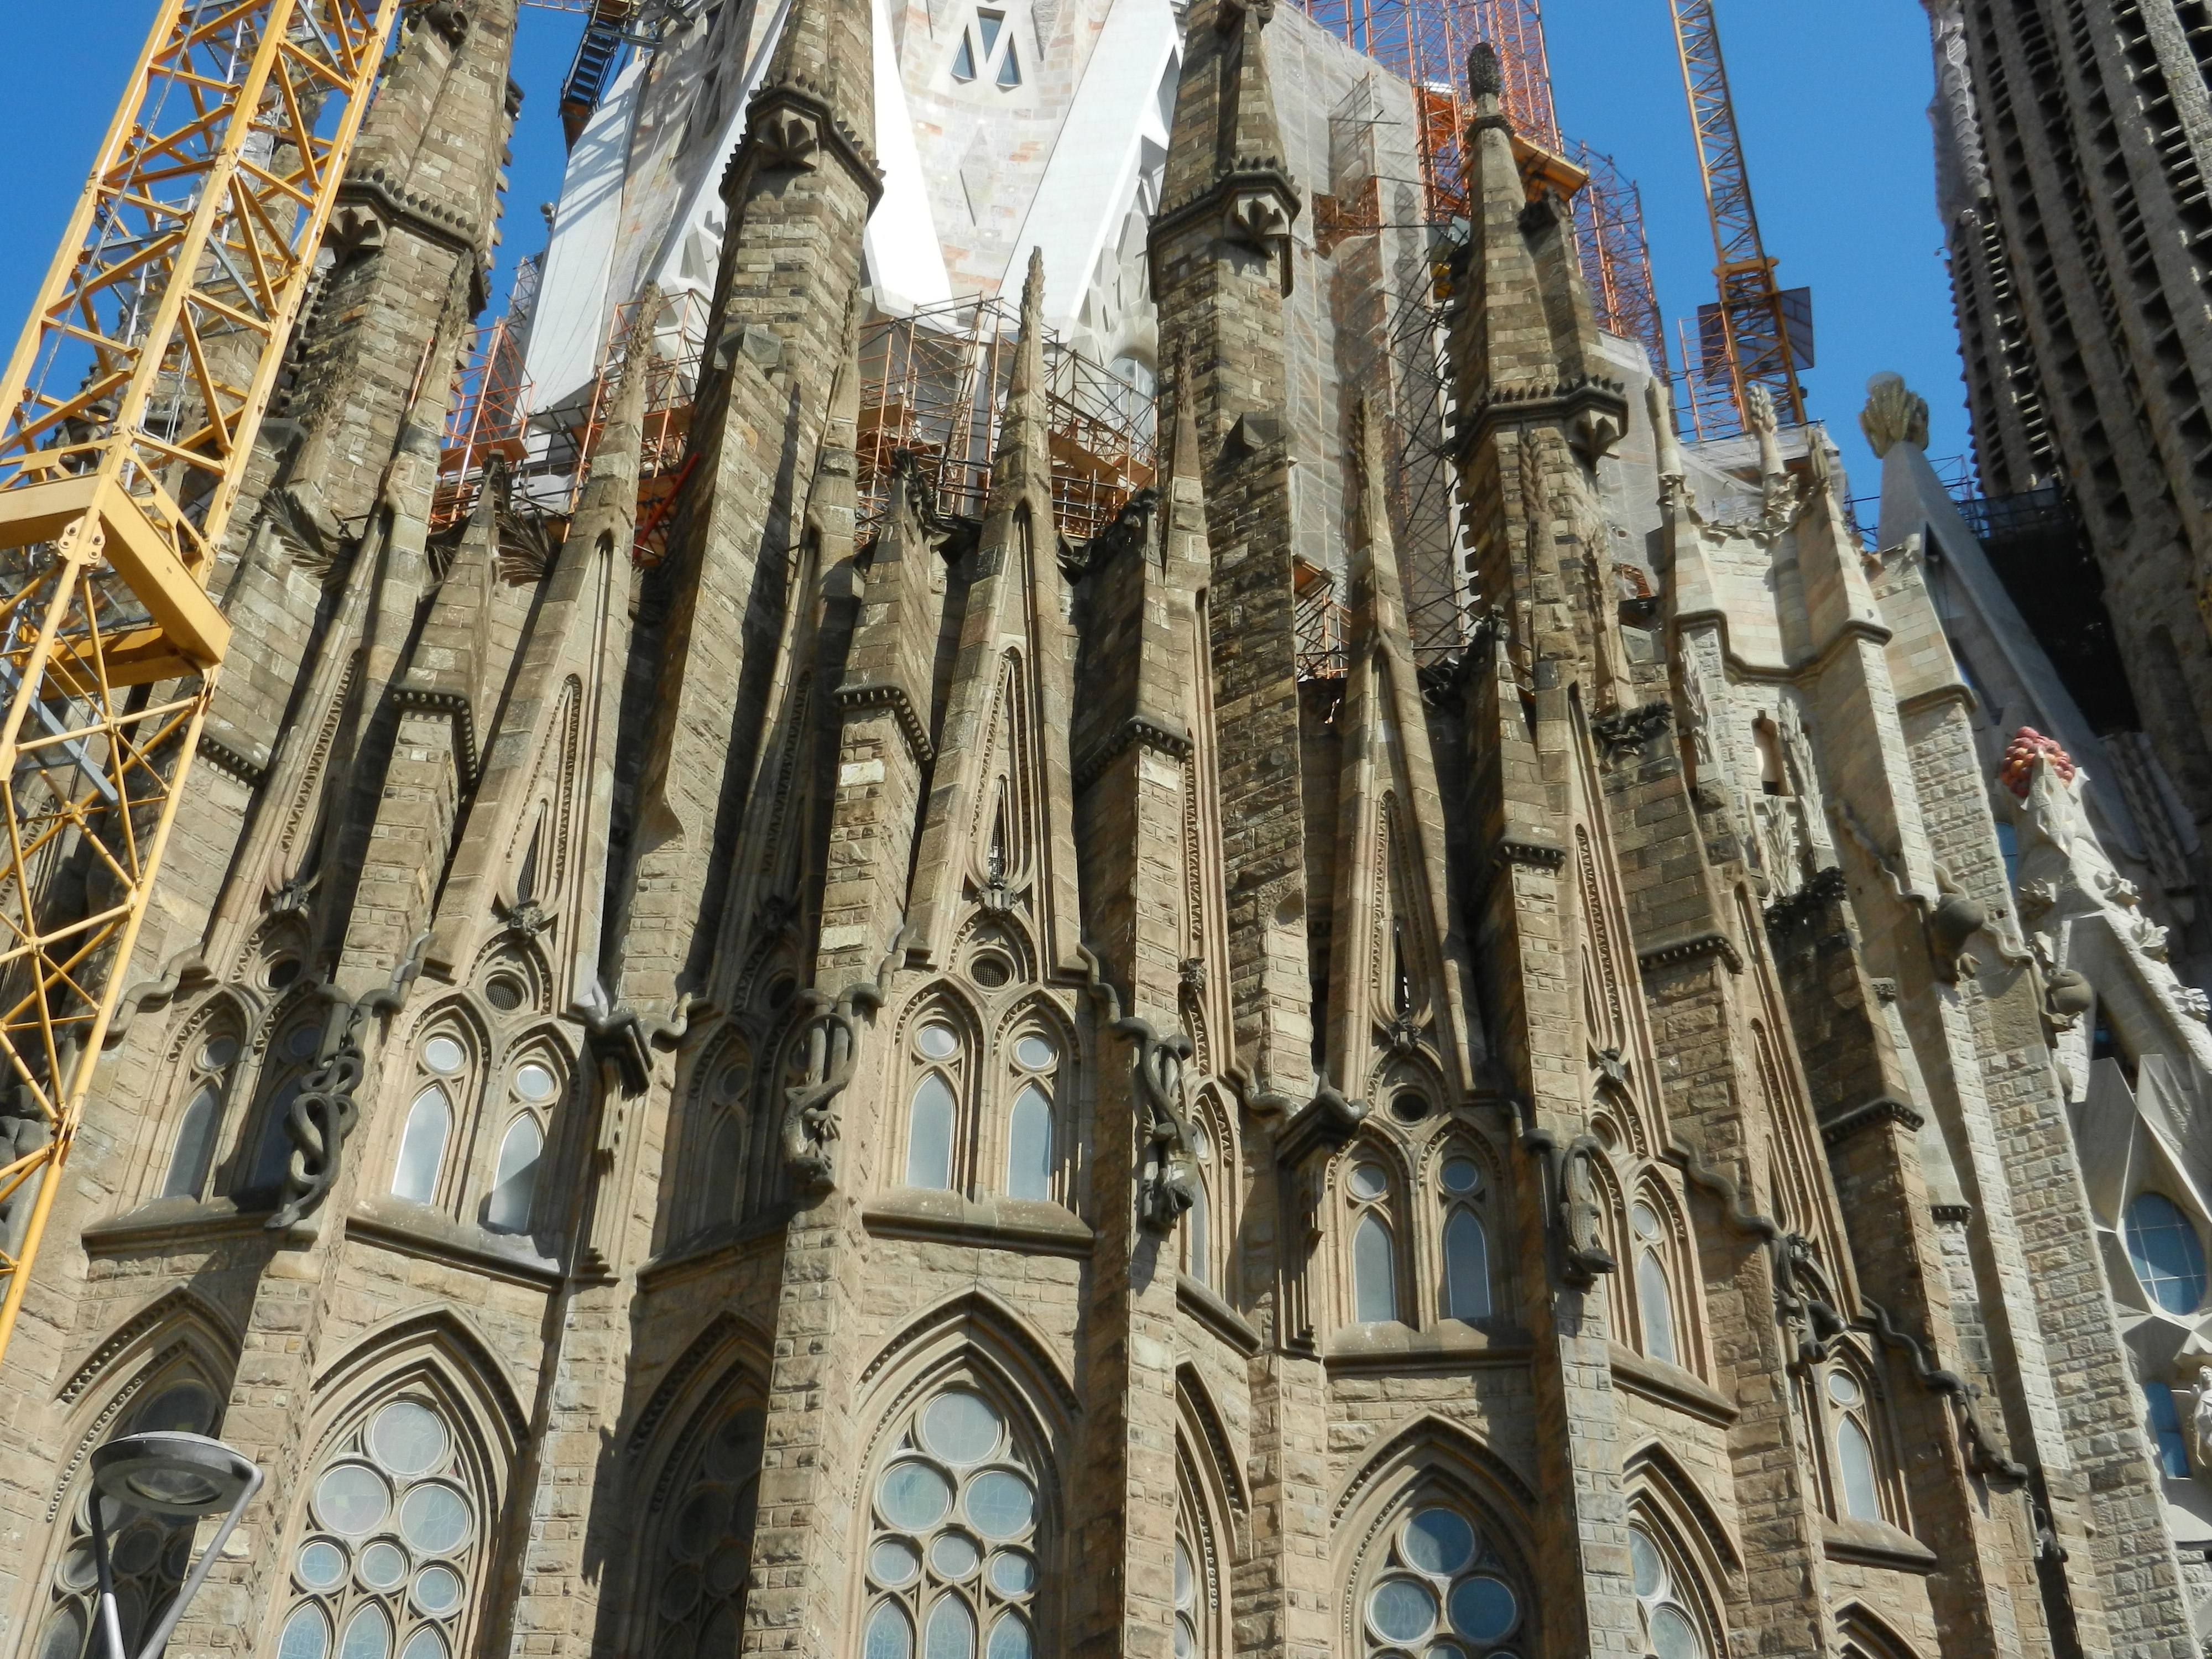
(1029,380)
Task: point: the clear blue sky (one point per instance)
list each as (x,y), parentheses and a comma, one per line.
(1831,101)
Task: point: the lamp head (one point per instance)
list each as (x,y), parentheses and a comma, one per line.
(172,1473)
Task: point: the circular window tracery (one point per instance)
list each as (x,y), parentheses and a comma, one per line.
(150,1554)
(1669,1632)
(391,1530)
(956,1525)
(707,1553)
(1441,1592)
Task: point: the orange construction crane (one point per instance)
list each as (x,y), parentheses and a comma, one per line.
(1756,335)
(127,417)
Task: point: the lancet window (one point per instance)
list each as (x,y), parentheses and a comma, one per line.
(1663,1322)
(1369,1191)
(723,1090)
(987,51)
(1463,1289)
(1031,1151)
(443,1059)
(958,1540)
(385,1560)
(1845,1401)
(204,1076)
(1437,1587)
(150,1554)
(1198,1242)
(705,1545)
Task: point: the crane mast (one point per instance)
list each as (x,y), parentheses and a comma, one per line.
(1754,323)
(128,414)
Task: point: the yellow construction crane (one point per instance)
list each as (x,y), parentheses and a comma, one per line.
(127,418)
(1752,325)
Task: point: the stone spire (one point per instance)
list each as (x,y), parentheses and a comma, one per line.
(998,833)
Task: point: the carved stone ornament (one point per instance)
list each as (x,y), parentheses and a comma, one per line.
(1893,414)
(1954,920)
(827,1047)
(788,138)
(321,1117)
(1583,1246)
(356,231)
(1256,218)
(448,17)
(1168,1184)
(1593,435)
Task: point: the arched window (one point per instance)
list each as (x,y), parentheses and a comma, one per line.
(422,1150)
(929,1126)
(705,1551)
(1029,1149)
(1655,1297)
(514,1181)
(957,1548)
(1374,1245)
(385,1561)
(1028,1146)
(1670,1628)
(2167,1254)
(1464,1293)
(1860,1489)
(206,1078)
(725,1084)
(1198,1220)
(1439,1586)
(150,1554)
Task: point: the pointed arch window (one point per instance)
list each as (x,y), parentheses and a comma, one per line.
(724,1087)
(959,1538)
(206,1081)
(1654,1295)
(1198,1220)
(423,1147)
(514,1179)
(1438,1586)
(150,1554)
(1374,1244)
(929,1130)
(706,1544)
(1670,1629)
(1464,1291)
(1030,1153)
(386,1560)
(1862,1485)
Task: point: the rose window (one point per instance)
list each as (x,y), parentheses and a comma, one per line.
(1441,1594)
(385,1561)
(952,1562)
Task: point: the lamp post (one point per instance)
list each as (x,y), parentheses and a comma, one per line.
(165,1472)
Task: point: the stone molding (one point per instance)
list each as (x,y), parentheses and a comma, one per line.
(1842,1127)
(1712,943)
(879,694)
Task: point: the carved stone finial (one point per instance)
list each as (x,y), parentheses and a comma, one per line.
(1486,76)
(1893,414)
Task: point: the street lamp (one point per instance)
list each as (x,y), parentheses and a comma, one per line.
(167,1472)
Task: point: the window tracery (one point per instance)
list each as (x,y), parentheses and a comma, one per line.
(1463,1291)
(959,1537)
(1367,1189)
(1663,1322)
(385,1555)
(988,49)
(1846,1408)
(1438,1588)
(705,1556)
(208,1063)
(150,1554)
(1671,1629)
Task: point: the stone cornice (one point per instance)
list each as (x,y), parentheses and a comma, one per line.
(881,695)
(1711,943)
(1524,847)
(1208,1309)
(447,227)
(224,759)
(1137,729)
(1843,1125)
(1528,402)
(455,706)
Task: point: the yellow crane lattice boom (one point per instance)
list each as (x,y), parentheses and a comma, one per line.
(1754,326)
(127,416)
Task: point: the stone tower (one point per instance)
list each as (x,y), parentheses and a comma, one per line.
(2073,144)
(917,1086)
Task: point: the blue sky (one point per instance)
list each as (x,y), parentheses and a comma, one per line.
(1831,101)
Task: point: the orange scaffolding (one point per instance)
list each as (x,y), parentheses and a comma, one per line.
(933,383)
